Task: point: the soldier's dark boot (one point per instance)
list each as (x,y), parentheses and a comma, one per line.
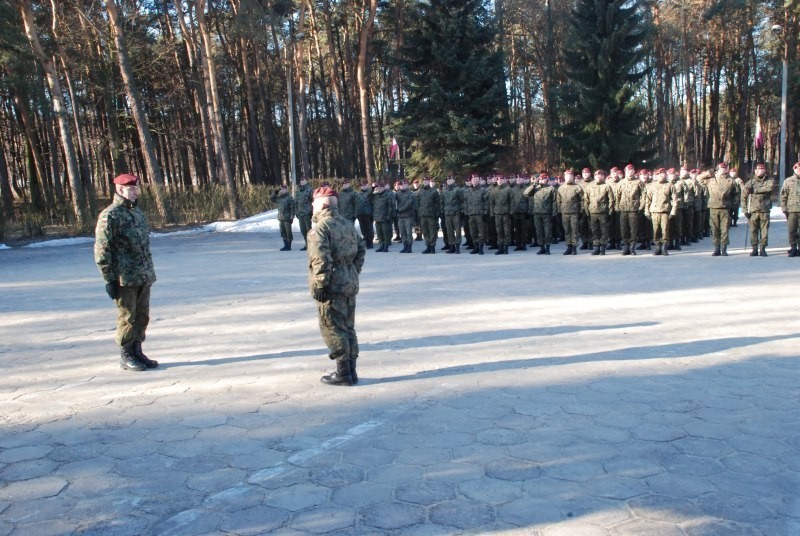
(575,249)
(523,247)
(633,248)
(754,253)
(763,251)
(626,250)
(658,250)
(353,374)
(137,351)
(342,376)
(458,250)
(445,246)
(602,250)
(499,250)
(541,250)
(677,246)
(596,250)
(386,248)
(723,250)
(397,239)
(369,244)
(664,250)
(584,246)
(547,250)
(568,251)
(793,251)
(716,252)
(128,360)
(476,249)
(285,246)
(480,248)
(426,250)
(451,249)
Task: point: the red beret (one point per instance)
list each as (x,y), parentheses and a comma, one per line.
(570,171)
(615,168)
(761,166)
(630,166)
(600,172)
(722,165)
(126,179)
(643,171)
(586,170)
(671,171)
(324,191)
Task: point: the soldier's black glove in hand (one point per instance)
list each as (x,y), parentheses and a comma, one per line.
(113,290)
(320,294)
(747,215)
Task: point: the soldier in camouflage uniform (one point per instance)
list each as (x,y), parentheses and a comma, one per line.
(700,200)
(586,180)
(347,201)
(302,208)
(757,202)
(689,190)
(500,206)
(736,198)
(676,221)
(475,208)
(364,214)
(721,190)
(428,210)
(600,208)
(491,223)
(544,206)
(406,210)
(645,225)
(122,254)
(571,205)
(660,204)
(335,258)
(285,204)
(519,214)
(453,207)
(614,231)
(790,206)
(630,193)
(415,185)
(383,211)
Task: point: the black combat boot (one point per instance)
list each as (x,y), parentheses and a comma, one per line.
(458,250)
(723,250)
(451,250)
(353,374)
(128,360)
(369,244)
(658,250)
(754,253)
(285,246)
(763,251)
(547,249)
(499,250)
(386,248)
(305,247)
(664,250)
(342,376)
(596,250)
(476,249)
(541,250)
(677,245)
(626,250)
(602,250)
(480,248)
(633,248)
(793,251)
(584,246)
(575,249)
(446,246)
(137,351)
(568,251)
(523,247)
(716,252)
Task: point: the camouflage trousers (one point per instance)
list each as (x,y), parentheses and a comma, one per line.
(571,228)
(305,224)
(286,230)
(599,225)
(367,228)
(519,228)
(503,224)
(720,221)
(430,229)
(660,227)
(133,314)
(453,229)
(544,229)
(406,225)
(759,228)
(337,318)
(585,229)
(676,225)
(688,224)
(629,227)
(793,224)
(477,228)
(384,231)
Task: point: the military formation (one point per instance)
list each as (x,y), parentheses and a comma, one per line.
(625,210)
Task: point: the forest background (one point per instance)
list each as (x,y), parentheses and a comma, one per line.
(214,102)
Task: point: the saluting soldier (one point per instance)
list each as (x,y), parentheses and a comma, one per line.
(757,202)
(544,206)
(570,201)
(630,193)
(600,207)
(122,254)
(645,225)
(285,203)
(721,191)
(302,208)
(614,232)
(790,206)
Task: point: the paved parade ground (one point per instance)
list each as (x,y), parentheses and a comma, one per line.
(508,395)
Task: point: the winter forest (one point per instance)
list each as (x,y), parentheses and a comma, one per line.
(214,102)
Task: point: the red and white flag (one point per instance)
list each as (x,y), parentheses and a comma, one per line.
(759,139)
(394,149)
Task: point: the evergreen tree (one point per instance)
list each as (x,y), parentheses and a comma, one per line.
(605,123)
(455,113)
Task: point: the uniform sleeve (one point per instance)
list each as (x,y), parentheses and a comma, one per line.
(319,257)
(360,254)
(784,196)
(103,252)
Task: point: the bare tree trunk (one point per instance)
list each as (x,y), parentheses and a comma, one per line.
(363,87)
(78,197)
(336,84)
(139,116)
(216,112)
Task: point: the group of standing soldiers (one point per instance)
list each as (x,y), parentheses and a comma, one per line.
(625,210)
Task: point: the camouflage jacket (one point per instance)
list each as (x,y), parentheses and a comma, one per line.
(680,194)
(760,200)
(122,245)
(570,199)
(790,194)
(500,200)
(689,193)
(475,201)
(661,198)
(364,203)
(383,208)
(519,202)
(302,200)
(285,204)
(427,202)
(599,199)
(348,203)
(544,198)
(720,192)
(630,193)
(452,200)
(406,204)
(335,254)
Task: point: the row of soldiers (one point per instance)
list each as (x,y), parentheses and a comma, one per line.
(624,209)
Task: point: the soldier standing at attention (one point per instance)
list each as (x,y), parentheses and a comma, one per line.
(544,206)
(500,206)
(645,225)
(676,221)
(571,205)
(475,209)
(790,206)
(614,232)
(428,210)
(364,214)
(688,207)
(335,258)
(347,201)
(453,207)
(122,254)
(406,208)
(630,193)
(721,190)
(285,204)
(757,202)
(661,202)
(600,207)
(383,210)
(302,207)
(736,199)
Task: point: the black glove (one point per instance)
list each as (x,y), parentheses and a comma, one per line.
(750,189)
(747,215)
(320,294)
(112,289)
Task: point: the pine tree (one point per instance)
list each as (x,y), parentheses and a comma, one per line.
(455,115)
(605,124)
